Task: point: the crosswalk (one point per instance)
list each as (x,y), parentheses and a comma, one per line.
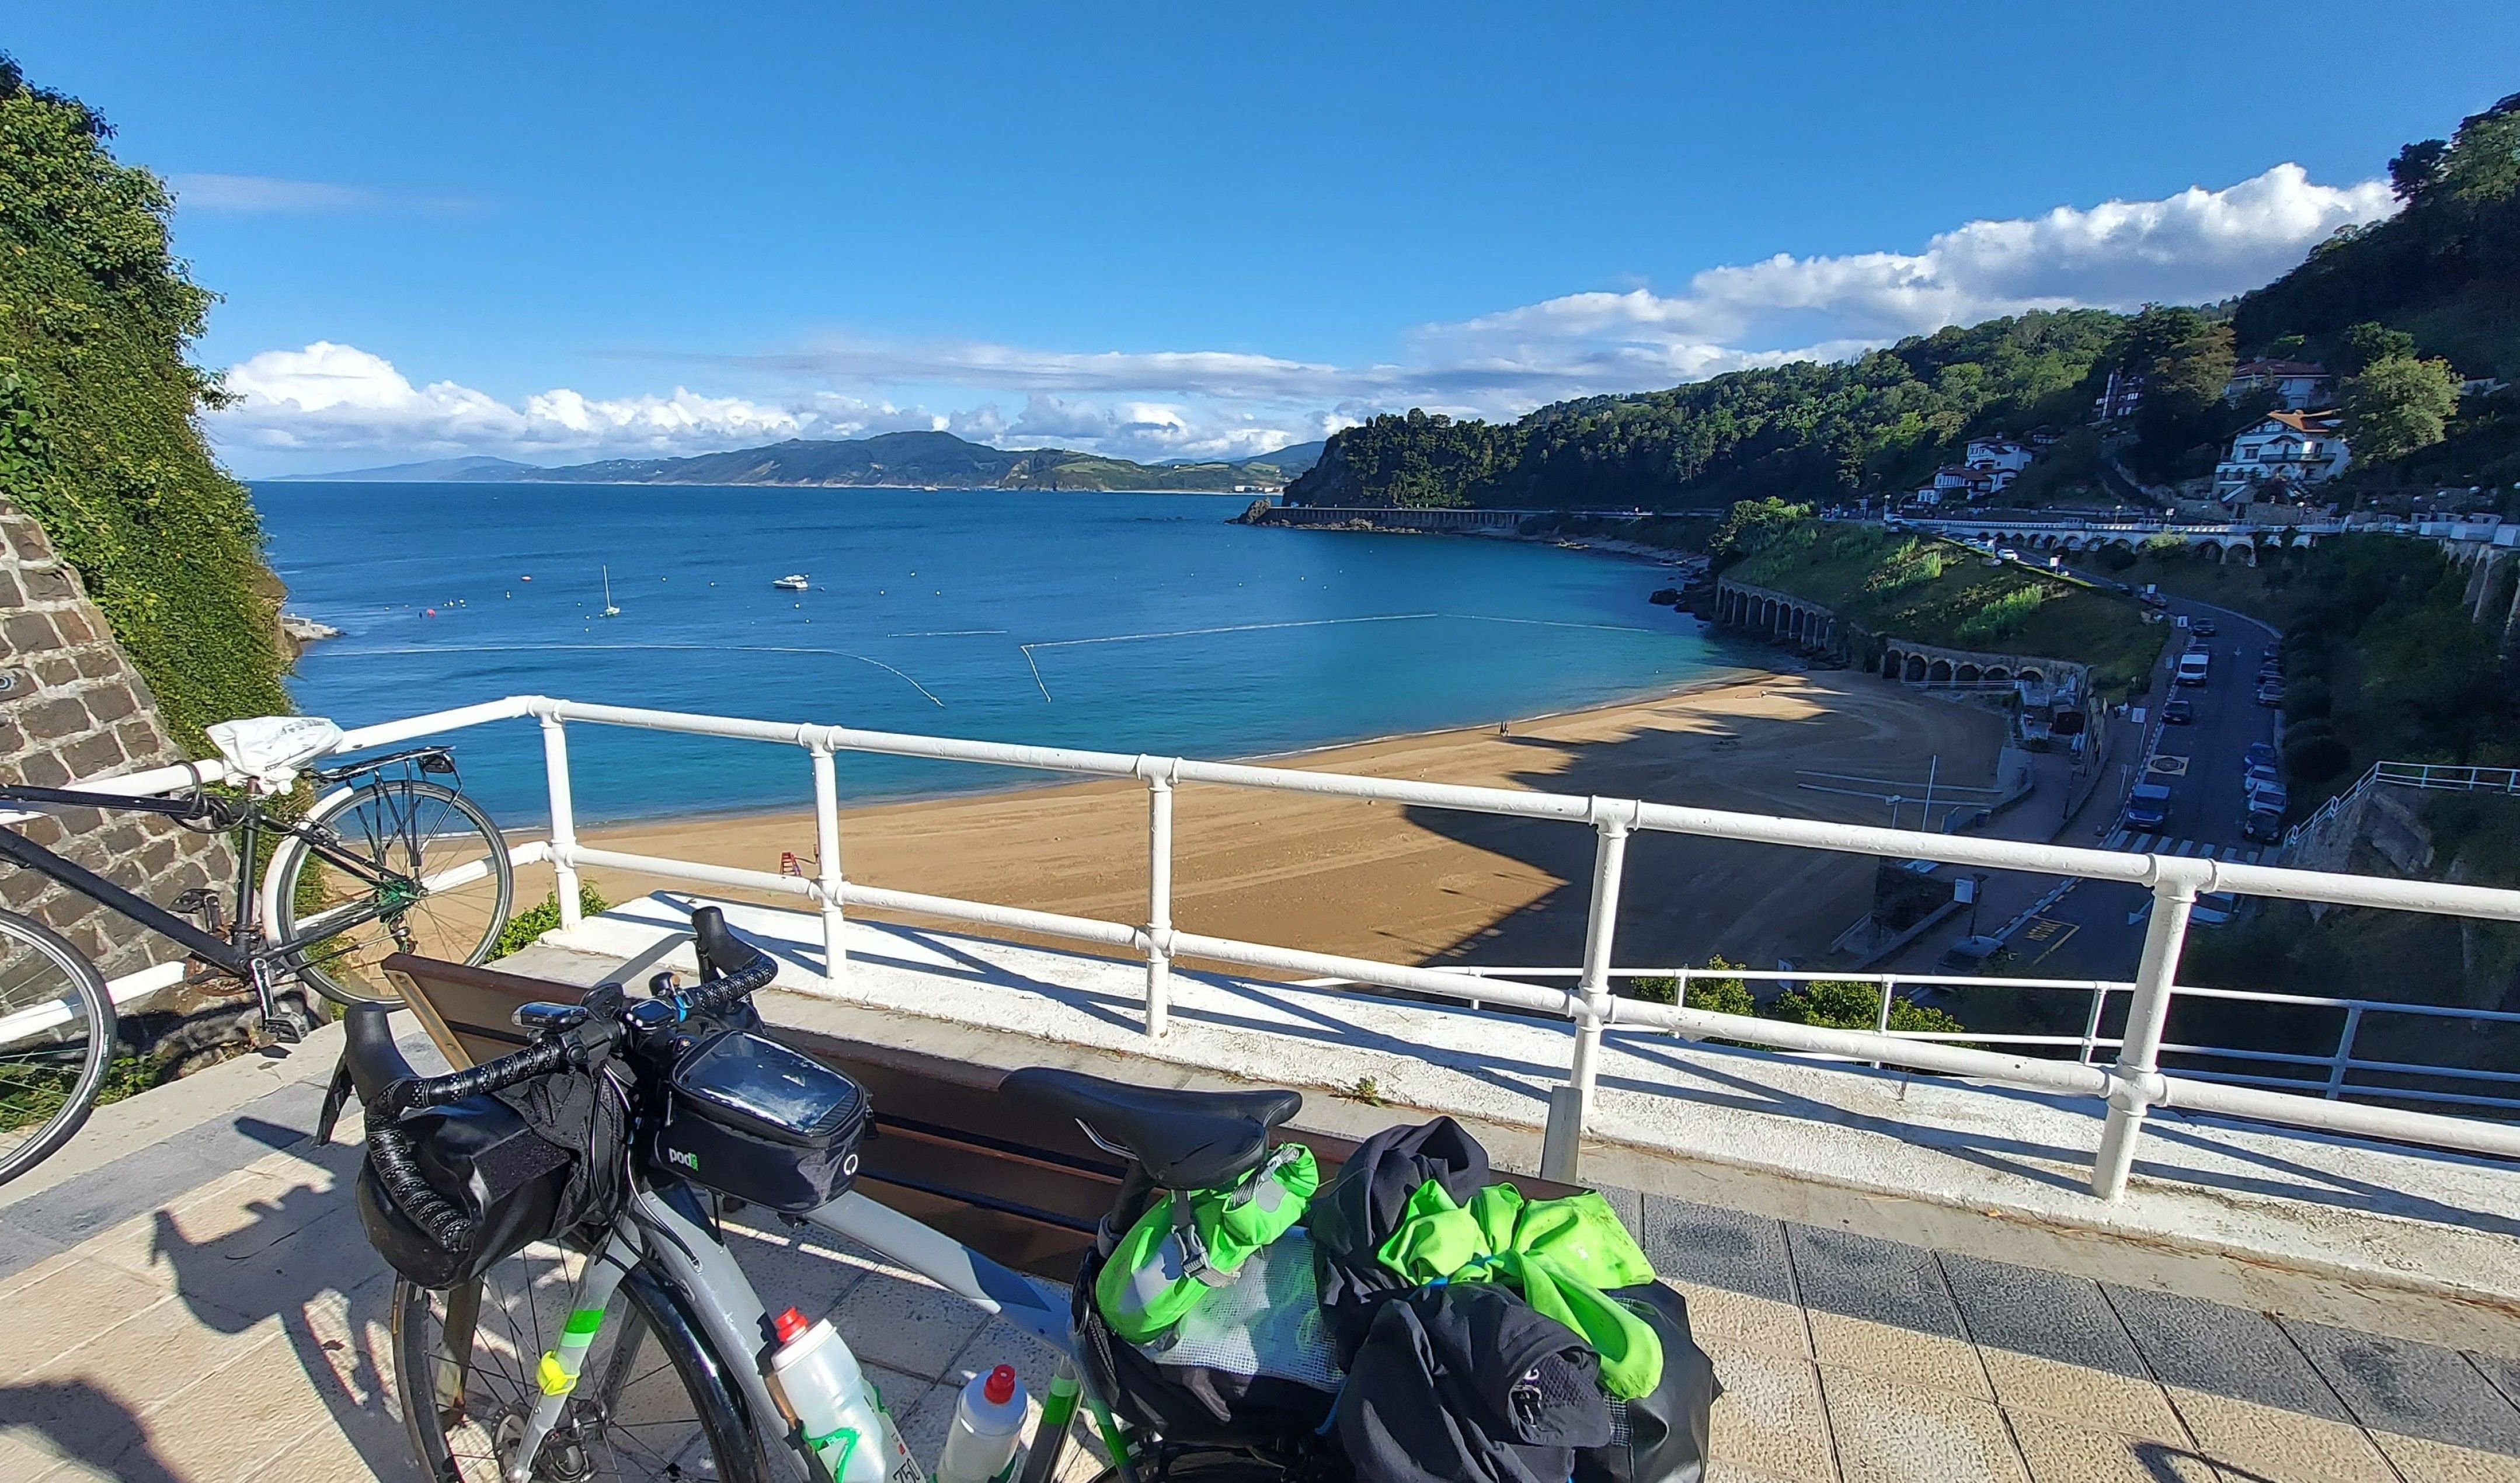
(2133,844)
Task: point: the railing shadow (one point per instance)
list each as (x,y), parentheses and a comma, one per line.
(302,1260)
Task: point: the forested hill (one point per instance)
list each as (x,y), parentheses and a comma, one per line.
(890,459)
(1804,431)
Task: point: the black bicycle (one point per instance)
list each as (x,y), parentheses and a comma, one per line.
(388,860)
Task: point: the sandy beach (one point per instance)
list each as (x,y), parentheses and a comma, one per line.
(1416,885)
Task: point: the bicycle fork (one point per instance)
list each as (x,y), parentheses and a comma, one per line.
(557,1371)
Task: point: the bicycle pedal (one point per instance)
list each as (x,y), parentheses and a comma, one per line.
(283,1031)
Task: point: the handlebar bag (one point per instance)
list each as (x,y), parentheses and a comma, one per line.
(748,1118)
(530,1163)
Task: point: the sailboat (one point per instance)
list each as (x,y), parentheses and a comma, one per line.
(609,611)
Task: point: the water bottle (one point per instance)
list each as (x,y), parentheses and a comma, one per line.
(988,1422)
(844,1423)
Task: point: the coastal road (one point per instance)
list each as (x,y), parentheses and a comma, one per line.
(2206,808)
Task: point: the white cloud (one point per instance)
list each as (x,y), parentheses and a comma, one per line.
(272,196)
(2194,246)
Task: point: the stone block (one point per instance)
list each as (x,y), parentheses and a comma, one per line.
(76,627)
(154,860)
(186,877)
(91,755)
(20,888)
(121,839)
(144,743)
(57,670)
(27,633)
(51,719)
(100,661)
(50,585)
(111,702)
(43,770)
(13,738)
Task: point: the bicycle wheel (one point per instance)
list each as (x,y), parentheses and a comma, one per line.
(652,1402)
(55,1037)
(432,877)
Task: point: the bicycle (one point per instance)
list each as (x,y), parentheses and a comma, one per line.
(380,864)
(670,1384)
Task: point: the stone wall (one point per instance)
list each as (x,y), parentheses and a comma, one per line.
(71,709)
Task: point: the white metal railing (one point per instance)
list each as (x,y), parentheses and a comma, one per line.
(2131,1084)
(2329,1075)
(2438,776)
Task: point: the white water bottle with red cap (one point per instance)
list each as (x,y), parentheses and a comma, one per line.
(988,1423)
(843,1420)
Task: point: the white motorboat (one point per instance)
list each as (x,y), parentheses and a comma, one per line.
(791,583)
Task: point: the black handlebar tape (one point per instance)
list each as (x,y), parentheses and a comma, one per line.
(722,993)
(412,1094)
(389,1153)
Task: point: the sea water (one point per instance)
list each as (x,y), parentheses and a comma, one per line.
(1127,622)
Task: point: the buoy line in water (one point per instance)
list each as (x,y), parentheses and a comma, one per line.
(750,649)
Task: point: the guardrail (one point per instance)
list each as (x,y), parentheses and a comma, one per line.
(2438,776)
(2133,1084)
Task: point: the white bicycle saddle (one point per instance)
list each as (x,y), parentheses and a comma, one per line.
(269,750)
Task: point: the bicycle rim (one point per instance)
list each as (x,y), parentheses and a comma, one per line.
(56,1037)
(650,1402)
(445,888)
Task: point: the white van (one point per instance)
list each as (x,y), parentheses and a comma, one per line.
(2192,666)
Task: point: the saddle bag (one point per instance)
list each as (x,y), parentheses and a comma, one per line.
(750,1118)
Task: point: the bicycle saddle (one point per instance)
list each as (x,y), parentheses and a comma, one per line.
(1186,1139)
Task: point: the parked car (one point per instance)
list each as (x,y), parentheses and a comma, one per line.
(2215,908)
(1969,953)
(2258,775)
(2271,693)
(2264,826)
(2193,666)
(2204,626)
(2269,797)
(2147,806)
(2180,712)
(2260,755)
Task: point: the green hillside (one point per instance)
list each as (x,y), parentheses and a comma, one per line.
(1940,592)
(1805,430)
(98,433)
(914,459)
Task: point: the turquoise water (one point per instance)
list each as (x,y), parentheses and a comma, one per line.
(1122,621)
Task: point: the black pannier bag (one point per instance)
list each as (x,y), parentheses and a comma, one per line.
(748,1118)
(528,1164)
(1465,1383)
(1659,1437)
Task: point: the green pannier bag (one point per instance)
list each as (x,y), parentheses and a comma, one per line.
(1199,1238)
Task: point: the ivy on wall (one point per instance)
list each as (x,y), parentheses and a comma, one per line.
(100,439)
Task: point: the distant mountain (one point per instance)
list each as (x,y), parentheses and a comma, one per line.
(436,470)
(911,458)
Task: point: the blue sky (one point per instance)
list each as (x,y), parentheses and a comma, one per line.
(563,232)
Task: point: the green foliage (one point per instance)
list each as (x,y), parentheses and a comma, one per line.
(1878,581)
(2362,344)
(1751,527)
(1798,433)
(1846,1004)
(2398,405)
(524,926)
(98,438)
(2002,618)
(2184,359)
(1721,996)
(2442,270)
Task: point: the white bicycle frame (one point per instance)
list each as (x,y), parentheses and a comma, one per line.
(731,1317)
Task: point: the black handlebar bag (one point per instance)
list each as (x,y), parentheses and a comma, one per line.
(531,1163)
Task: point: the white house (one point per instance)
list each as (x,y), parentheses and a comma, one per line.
(2296,383)
(1996,453)
(2300,448)
(1960,481)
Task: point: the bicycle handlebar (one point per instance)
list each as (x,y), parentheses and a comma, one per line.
(737,970)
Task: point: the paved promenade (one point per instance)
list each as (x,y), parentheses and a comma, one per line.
(188,1298)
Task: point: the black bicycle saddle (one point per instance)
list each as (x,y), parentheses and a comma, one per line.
(1186,1139)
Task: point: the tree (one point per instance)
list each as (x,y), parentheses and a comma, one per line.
(2396,405)
(1719,996)
(2362,344)
(1751,527)
(2185,360)
(1842,1004)
(2415,168)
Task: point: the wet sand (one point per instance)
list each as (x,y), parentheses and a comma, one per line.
(1420,886)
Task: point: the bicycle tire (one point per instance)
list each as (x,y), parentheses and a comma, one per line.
(37,968)
(345,971)
(720,1446)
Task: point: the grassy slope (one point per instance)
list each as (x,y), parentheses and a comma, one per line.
(1928,591)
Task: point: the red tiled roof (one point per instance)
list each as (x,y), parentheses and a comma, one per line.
(2318,423)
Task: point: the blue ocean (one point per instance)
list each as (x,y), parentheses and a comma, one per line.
(1133,623)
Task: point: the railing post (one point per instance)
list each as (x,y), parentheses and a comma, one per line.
(1159,902)
(564,821)
(2092,1024)
(826,860)
(2131,1080)
(1881,1023)
(2344,1051)
(1570,1106)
